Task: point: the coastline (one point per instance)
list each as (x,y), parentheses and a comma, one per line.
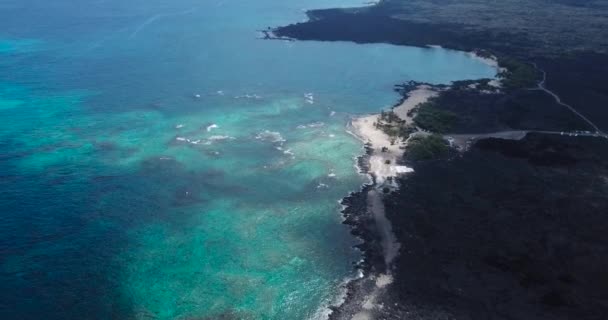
(364,210)
(441,273)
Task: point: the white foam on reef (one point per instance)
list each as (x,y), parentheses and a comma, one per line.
(323,312)
(220,138)
(197,141)
(179,126)
(322,186)
(309,97)
(220,92)
(211,127)
(318,124)
(333,113)
(248,96)
(272,136)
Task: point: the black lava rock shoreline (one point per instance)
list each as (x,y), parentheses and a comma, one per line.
(363,226)
(508,229)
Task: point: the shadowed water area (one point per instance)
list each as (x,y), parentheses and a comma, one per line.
(158,161)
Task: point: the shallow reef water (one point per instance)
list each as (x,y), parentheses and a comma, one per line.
(159,160)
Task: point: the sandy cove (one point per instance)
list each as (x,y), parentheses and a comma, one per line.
(382,163)
(386,150)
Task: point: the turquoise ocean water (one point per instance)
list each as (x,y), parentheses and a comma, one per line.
(158,161)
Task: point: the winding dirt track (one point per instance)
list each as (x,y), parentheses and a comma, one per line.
(542,87)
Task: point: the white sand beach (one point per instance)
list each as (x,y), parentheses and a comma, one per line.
(421,94)
(387,150)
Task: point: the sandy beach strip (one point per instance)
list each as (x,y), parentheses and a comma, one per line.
(421,94)
(387,150)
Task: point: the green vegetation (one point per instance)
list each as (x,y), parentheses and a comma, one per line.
(394,126)
(518,74)
(430,117)
(427,148)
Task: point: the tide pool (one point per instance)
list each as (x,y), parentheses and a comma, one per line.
(159,161)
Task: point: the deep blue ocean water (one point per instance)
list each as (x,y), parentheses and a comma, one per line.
(119,198)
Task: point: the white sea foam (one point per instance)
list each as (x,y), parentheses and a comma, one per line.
(211,127)
(271,136)
(179,126)
(220,138)
(248,96)
(181,139)
(323,312)
(310,98)
(311,125)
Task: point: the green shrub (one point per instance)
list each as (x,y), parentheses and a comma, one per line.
(427,147)
(433,119)
(518,74)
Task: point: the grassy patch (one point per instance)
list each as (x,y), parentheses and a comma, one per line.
(427,148)
(431,118)
(518,74)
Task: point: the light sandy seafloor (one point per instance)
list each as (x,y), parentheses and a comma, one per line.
(383,167)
